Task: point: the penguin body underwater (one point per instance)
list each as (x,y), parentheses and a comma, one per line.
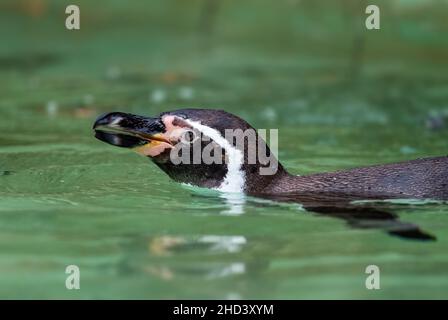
(171,141)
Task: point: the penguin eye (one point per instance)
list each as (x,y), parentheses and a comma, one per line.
(189,136)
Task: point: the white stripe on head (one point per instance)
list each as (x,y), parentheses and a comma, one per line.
(234,181)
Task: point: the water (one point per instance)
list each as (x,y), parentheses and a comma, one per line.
(66,198)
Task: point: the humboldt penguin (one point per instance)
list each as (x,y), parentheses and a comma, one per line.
(193,146)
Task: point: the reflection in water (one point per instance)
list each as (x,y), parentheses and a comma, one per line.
(235,202)
(166,245)
(228,244)
(227,270)
(365,214)
(215,271)
(163,248)
(361,214)
(160,246)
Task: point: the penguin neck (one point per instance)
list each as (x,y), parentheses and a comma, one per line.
(257,183)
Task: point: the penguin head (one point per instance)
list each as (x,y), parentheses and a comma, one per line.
(201,147)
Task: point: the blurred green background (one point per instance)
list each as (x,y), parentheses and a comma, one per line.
(340,95)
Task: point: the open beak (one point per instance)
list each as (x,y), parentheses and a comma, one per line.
(129,131)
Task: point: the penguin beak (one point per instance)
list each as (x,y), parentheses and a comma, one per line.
(129,131)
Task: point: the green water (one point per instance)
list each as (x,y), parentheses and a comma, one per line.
(66,198)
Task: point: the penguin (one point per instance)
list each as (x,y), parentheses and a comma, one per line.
(216,149)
